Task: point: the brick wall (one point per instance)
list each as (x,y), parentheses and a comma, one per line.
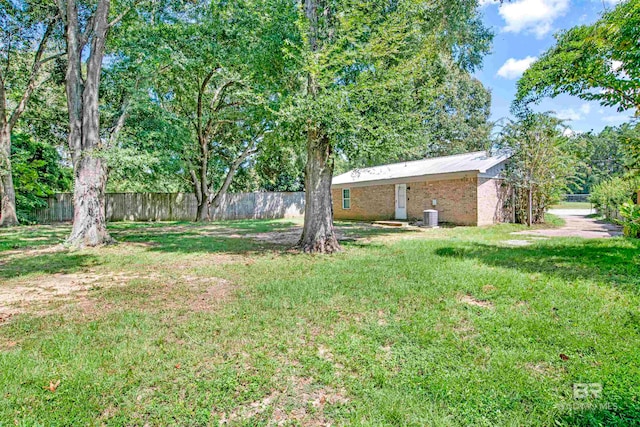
(456,200)
(491,202)
(375,202)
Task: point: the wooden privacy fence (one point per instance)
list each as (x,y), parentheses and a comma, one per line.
(179,207)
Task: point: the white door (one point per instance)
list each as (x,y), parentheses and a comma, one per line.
(401,201)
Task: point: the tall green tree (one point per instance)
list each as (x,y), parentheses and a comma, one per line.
(542,165)
(221,72)
(27,51)
(92,29)
(367,68)
(87,26)
(595,62)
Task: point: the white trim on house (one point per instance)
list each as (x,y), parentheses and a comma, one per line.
(421,178)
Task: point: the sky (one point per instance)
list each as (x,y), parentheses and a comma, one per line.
(523,31)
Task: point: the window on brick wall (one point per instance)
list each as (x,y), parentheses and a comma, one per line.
(346,198)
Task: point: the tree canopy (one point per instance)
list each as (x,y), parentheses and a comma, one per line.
(595,62)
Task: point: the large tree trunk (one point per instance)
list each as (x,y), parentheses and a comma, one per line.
(90,175)
(8,217)
(318,234)
(89,218)
(203,211)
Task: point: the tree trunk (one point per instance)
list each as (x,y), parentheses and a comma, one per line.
(530,206)
(203,210)
(89,217)
(90,174)
(8,217)
(203,190)
(318,235)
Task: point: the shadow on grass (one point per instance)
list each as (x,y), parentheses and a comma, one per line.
(612,261)
(235,237)
(218,227)
(31,236)
(51,263)
(194,242)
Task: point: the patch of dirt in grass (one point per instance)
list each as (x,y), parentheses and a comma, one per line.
(285,237)
(6,344)
(470,300)
(465,330)
(302,402)
(212,295)
(523,306)
(56,287)
(291,235)
(541,369)
(55,291)
(206,260)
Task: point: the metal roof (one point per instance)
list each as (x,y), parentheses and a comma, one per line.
(478,161)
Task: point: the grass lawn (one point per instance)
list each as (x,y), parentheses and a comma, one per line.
(181,324)
(573,205)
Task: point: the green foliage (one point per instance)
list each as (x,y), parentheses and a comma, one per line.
(630,214)
(387,75)
(595,62)
(630,140)
(280,166)
(542,166)
(610,195)
(38,173)
(200,88)
(145,157)
(602,156)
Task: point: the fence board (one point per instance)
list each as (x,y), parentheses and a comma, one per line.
(179,207)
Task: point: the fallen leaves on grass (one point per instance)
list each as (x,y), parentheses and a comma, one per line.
(301,403)
(53,386)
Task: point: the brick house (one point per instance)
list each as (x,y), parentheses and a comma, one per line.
(465,189)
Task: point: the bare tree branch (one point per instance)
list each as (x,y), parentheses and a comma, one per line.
(33,78)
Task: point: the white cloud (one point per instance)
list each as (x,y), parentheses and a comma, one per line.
(513,68)
(568,132)
(532,16)
(611,2)
(569,114)
(585,109)
(616,65)
(618,118)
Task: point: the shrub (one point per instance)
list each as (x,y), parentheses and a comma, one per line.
(630,221)
(610,195)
